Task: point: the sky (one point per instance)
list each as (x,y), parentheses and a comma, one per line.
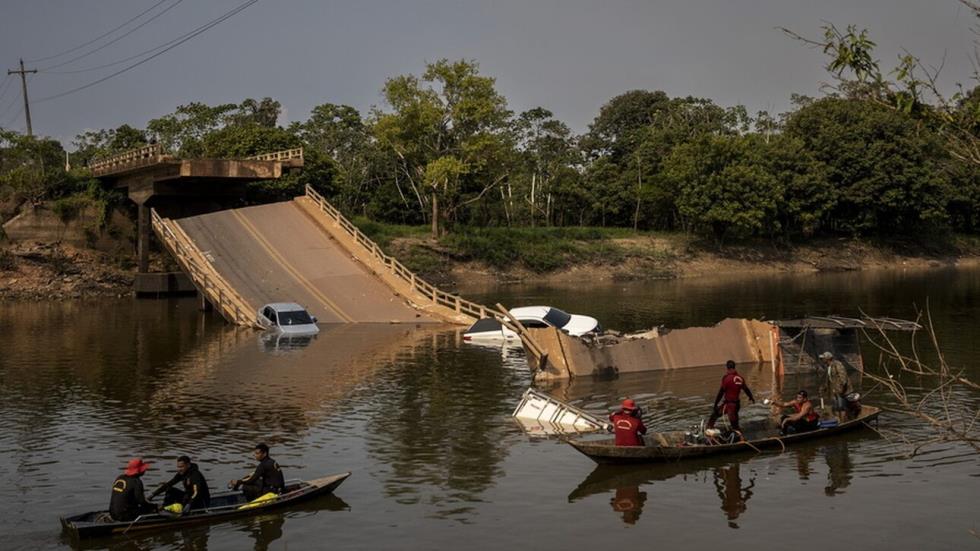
(567,56)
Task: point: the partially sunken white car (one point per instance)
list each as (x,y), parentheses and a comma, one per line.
(287,318)
(489,329)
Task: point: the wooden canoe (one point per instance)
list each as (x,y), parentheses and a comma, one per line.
(670,446)
(224,505)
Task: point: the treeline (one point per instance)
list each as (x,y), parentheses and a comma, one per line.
(445,149)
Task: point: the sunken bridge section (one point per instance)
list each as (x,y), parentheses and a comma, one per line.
(239,259)
(302,251)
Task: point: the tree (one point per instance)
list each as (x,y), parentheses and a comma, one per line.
(450,118)
(724,187)
(883,166)
(338,134)
(548,158)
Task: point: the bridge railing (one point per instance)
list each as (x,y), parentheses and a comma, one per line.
(133,158)
(217,291)
(419,286)
(285,155)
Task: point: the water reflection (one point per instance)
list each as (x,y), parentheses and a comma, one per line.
(629,501)
(440,421)
(734,480)
(734,496)
(839,467)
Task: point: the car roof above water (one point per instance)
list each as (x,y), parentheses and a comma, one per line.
(284,306)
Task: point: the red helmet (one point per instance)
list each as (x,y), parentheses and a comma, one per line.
(629,404)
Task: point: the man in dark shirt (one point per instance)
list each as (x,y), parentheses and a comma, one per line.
(127,500)
(193,495)
(727,400)
(267,476)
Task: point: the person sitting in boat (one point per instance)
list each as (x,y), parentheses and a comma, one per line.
(128,500)
(727,400)
(804,418)
(837,384)
(628,425)
(266,478)
(193,495)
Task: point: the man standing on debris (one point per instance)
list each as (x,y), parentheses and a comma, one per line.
(838,385)
(628,425)
(732,384)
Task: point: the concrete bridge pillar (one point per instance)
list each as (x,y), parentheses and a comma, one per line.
(143,238)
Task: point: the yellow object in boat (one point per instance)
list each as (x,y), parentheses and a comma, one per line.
(261,500)
(176,508)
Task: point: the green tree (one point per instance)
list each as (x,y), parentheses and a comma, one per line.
(884,167)
(451,112)
(724,187)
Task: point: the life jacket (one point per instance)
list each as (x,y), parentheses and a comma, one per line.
(811,415)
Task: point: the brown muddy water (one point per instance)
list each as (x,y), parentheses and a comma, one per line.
(423,421)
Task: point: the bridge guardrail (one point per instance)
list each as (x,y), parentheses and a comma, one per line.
(205,278)
(128,159)
(418,285)
(284,155)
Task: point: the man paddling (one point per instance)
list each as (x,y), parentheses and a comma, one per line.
(732,385)
(628,425)
(267,476)
(193,495)
(127,501)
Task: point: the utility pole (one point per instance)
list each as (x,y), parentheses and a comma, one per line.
(23,83)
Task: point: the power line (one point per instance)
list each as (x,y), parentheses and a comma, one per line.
(191,35)
(123,60)
(4,85)
(117,39)
(101,36)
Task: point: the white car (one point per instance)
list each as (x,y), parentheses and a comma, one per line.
(533,316)
(287,318)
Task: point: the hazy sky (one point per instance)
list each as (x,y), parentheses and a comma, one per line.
(567,56)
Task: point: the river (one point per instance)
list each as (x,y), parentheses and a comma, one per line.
(422,419)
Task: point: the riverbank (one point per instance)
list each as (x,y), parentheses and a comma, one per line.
(44,270)
(595,254)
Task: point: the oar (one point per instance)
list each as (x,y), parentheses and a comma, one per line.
(135,520)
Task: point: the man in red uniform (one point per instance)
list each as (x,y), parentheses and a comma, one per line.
(727,400)
(628,425)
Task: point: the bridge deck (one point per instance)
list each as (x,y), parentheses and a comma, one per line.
(277,253)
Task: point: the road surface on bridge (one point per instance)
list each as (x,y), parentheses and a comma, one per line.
(277,253)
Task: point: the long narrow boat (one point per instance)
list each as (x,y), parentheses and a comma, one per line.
(673,446)
(224,505)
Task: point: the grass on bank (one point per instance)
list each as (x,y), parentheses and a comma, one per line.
(542,249)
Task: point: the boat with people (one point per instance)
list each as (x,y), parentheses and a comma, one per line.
(702,441)
(224,505)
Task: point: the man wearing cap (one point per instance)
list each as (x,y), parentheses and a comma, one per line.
(628,425)
(267,476)
(128,501)
(727,400)
(838,385)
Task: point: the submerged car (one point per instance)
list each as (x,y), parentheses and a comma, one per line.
(490,329)
(287,318)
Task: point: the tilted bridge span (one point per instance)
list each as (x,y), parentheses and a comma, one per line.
(303,250)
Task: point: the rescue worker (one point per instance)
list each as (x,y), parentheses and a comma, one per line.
(628,425)
(727,400)
(193,495)
(267,476)
(127,500)
(804,417)
(837,385)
